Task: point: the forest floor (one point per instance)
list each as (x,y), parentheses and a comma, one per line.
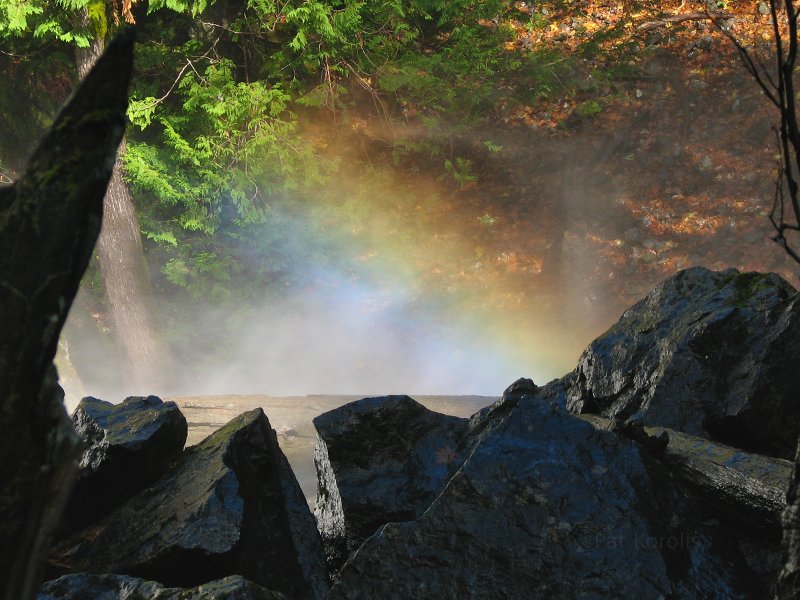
(597,195)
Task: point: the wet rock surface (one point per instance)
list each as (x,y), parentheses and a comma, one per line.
(545,506)
(712,354)
(789,581)
(126,446)
(85,586)
(729,503)
(379,460)
(749,486)
(230,505)
(523,499)
(548,504)
(721,508)
(206,414)
(743,485)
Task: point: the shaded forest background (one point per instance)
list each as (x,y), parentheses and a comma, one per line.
(432,181)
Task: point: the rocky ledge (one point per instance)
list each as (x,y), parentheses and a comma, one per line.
(379,460)
(229,506)
(644,474)
(126,446)
(116,587)
(713,354)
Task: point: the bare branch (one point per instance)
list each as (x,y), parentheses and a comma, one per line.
(759,72)
(785,213)
(189,64)
(673,19)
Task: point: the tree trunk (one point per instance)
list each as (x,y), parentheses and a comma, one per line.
(144,355)
(49,221)
(129,298)
(86,57)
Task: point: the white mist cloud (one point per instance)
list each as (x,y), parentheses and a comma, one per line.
(346,337)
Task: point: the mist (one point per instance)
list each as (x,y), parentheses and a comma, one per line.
(362,323)
(354,338)
(399,280)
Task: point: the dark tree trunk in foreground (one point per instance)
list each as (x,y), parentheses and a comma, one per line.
(144,356)
(49,222)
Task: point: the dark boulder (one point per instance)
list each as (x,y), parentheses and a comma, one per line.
(789,579)
(553,394)
(741,484)
(551,505)
(729,505)
(379,460)
(748,487)
(545,506)
(86,586)
(49,222)
(498,410)
(712,354)
(126,447)
(720,508)
(230,505)
(714,550)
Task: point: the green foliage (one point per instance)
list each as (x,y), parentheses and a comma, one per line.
(98,21)
(589,109)
(14,15)
(224,152)
(460,169)
(487,220)
(537,21)
(218,152)
(193,7)
(548,74)
(48,20)
(457,80)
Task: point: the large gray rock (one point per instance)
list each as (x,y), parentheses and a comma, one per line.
(741,485)
(126,447)
(745,486)
(712,354)
(87,586)
(730,503)
(554,393)
(554,506)
(379,460)
(719,506)
(546,506)
(789,579)
(49,222)
(231,505)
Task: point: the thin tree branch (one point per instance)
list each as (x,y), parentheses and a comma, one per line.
(750,66)
(781,92)
(673,19)
(189,64)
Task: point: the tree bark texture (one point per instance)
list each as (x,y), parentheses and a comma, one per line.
(129,300)
(49,222)
(144,355)
(85,58)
